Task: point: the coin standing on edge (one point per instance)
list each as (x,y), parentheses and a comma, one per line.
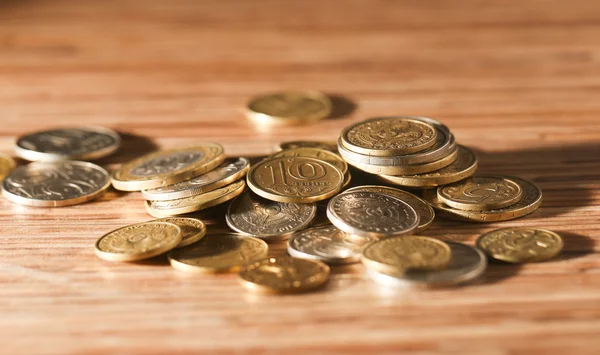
(480,193)
(7,164)
(289,108)
(520,244)
(192,229)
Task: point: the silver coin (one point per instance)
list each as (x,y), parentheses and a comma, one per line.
(55,184)
(85,143)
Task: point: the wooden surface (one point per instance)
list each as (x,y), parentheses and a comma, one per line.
(517,80)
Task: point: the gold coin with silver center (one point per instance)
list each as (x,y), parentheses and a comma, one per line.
(289,108)
(521,244)
(481,193)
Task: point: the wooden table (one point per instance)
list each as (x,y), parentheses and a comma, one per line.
(519,81)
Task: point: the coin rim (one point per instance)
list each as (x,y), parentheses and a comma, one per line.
(261,118)
(185,242)
(503,258)
(481,206)
(333,156)
(295,253)
(411,169)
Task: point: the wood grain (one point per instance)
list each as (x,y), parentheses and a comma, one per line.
(518,81)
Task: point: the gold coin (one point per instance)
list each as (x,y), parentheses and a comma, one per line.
(398,254)
(481,193)
(295,179)
(192,229)
(194,203)
(289,108)
(216,253)
(387,136)
(168,167)
(138,241)
(7,164)
(521,244)
(407,169)
(316,153)
(308,144)
(284,275)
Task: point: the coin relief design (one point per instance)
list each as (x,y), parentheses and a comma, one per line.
(481,193)
(320,154)
(292,105)
(192,229)
(166,164)
(521,244)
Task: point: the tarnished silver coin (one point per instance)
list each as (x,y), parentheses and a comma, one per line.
(80,143)
(55,184)
(253,215)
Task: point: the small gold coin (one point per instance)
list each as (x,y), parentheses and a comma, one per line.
(192,229)
(316,153)
(308,144)
(295,179)
(521,244)
(138,241)
(168,167)
(407,169)
(289,108)
(7,164)
(481,193)
(284,275)
(217,253)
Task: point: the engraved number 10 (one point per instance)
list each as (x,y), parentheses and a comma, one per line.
(297,170)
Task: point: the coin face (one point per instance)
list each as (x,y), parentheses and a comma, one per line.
(192,229)
(167,167)
(521,244)
(230,170)
(284,275)
(295,179)
(7,164)
(372,214)
(253,215)
(308,144)
(320,154)
(55,184)
(481,193)
(216,253)
(288,108)
(138,241)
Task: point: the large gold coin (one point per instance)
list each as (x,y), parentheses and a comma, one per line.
(407,169)
(168,167)
(138,241)
(217,253)
(289,108)
(7,164)
(481,193)
(307,144)
(295,179)
(316,153)
(284,275)
(192,229)
(520,244)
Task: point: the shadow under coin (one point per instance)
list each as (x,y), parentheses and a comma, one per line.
(341,106)
(132,146)
(496,272)
(575,246)
(160,260)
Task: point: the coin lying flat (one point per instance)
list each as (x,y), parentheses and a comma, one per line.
(192,229)
(316,153)
(7,164)
(521,244)
(480,193)
(55,184)
(230,170)
(284,275)
(168,167)
(138,241)
(289,108)
(372,214)
(253,215)
(216,253)
(308,144)
(81,143)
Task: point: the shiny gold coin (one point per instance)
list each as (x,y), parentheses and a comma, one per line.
(295,179)
(284,275)
(481,193)
(168,167)
(138,241)
(192,229)
(289,108)
(320,154)
(7,164)
(308,144)
(217,253)
(407,169)
(520,244)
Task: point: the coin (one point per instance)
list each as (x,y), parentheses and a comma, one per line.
(168,167)
(308,144)
(316,153)
(480,193)
(423,209)
(328,244)
(81,143)
(295,179)
(396,255)
(216,253)
(289,108)
(195,203)
(230,170)
(55,184)
(192,229)
(138,241)
(407,169)
(372,214)
(520,244)
(7,164)
(284,275)
(253,215)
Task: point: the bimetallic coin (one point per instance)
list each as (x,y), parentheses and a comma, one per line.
(82,143)
(521,244)
(56,184)
(253,215)
(7,164)
(192,229)
(217,253)
(320,154)
(308,144)
(230,170)
(289,108)
(480,193)
(168,167)
(138,241)
(284,275)
(407,169)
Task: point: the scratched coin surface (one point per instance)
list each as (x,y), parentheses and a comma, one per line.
(521,244)
(81,143)
(7,164)
(138,241)
(284,275)
(481,193)
(167,167)
(308,144)
(316,153)
(55,184)
(372,214)
(295,179)
(230,170)
(289,108)
(192,229)
(253,215)
(217,253)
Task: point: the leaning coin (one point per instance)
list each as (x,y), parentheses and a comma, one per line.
(138,241)
(407,169)
(521,244)
(481,193)
(289,108)
(307,144)
(284,275)
(217,253)
(56,184)
(316,153)
(7,164)
(192,229)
